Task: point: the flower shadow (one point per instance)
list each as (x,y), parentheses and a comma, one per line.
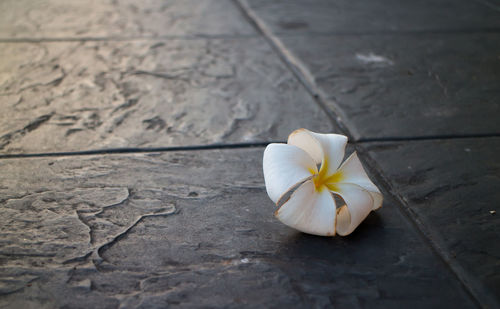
(308,246)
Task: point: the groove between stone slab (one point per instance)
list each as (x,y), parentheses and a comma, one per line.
(138,150)
(132,150)
(242,36)
(131,38)
(425,138)
(391,32)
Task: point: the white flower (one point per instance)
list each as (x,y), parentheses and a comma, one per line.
(311,207)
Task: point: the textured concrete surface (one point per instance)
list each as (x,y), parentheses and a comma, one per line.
(120,19)
(452,188)
(415,84)
(194,229)
(362,17)
(404,72)
(412,85)
(68,96)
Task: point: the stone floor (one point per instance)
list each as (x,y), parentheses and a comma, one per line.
(131,141)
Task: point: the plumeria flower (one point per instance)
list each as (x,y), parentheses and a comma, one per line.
(311,208)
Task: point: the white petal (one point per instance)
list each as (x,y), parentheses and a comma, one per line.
(359,203)
(320,146)
(284,167)
(352,171)
(309,211)
(303,139)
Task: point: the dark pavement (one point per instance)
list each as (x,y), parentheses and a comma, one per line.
(132,134)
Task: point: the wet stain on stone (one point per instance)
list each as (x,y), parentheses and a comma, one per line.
(293,25)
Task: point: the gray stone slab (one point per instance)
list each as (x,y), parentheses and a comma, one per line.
(67,96)
(194,229)
(452,188)
(344,16)
(80,18)
(412,85)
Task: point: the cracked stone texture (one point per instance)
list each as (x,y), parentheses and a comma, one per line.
(187,229)
(344,16)
(124,18)
(451,186)
(411,85)
(67,96)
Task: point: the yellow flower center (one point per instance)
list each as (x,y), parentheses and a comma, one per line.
(322,179)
